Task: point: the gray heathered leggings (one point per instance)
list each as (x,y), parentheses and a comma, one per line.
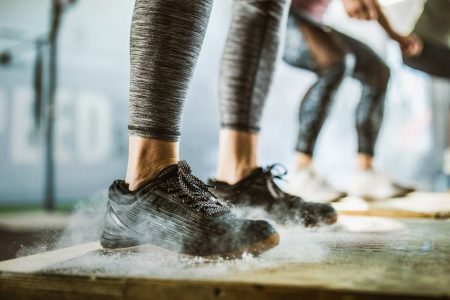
(166,38)
(248,62)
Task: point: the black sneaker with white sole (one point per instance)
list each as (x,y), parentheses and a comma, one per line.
(259,189)
(177,212)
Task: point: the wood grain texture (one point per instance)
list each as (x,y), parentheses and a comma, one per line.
(415,205)
(410,263)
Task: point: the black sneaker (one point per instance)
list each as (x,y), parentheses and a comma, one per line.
(176,211)
(260,190)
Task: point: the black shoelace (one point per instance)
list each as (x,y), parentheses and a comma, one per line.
(193,192)
(272,173)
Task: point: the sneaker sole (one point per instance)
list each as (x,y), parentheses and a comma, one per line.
(113,244)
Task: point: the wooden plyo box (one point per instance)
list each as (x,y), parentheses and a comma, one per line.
(360,258)
(414,205)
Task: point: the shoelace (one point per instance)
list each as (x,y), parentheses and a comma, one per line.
(272,172)
(275,171)
(278,171)
(194,192)
(293,203)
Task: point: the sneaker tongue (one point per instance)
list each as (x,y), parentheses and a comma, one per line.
(169,171)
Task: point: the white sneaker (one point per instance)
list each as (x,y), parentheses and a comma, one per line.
(372,185)
(308,185)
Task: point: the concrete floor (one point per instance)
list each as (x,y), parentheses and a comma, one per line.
(358,258)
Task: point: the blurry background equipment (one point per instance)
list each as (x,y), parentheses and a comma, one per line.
(44,84)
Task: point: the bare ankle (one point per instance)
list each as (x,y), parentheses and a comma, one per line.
(237,155)
(364,161)
(147,157)
(302,161)
(146,171)
(234,173)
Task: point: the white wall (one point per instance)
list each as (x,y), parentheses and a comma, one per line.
(92,105)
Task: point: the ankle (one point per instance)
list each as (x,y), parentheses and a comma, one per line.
(302,161)
(147,157)
(146,171)
(234,173)
(237,155)
(364,162)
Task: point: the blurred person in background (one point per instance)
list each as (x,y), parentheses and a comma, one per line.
(431,40)
(313,46)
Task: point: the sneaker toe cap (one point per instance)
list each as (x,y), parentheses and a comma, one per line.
(315,214)
(260,234)
(258,229)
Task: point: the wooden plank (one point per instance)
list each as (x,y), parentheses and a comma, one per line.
(411,261)
(33,221)
(415,205)
(59,287)
(37,262)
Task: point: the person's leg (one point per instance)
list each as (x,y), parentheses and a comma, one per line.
(309,46)
(247,69)
(314,109)
(166,38)
(161,202)
(373,74)
(246,73)
(238,152)
(434,60)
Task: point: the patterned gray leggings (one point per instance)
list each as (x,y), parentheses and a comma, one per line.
(166,38)
(369,70)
